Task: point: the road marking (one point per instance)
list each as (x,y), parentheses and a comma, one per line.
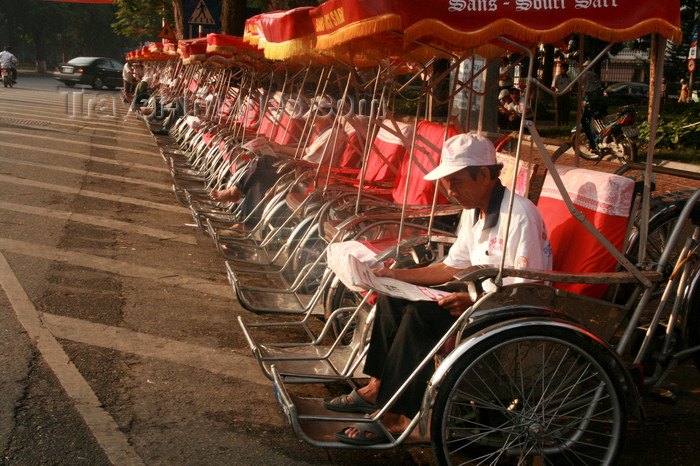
(94,194)
(215,360)
(72,141)
(114,443)
(118,267)
(76,171)
(98,221)
(101,127)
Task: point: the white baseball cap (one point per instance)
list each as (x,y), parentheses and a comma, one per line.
(503,94)
(462,151)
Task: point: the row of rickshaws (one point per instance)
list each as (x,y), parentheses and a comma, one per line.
(547,371)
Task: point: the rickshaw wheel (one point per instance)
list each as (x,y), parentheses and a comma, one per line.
(660,229)
(693,309)
(530,394)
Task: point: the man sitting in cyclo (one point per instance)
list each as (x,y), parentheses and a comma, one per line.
(261,174)
(404,332)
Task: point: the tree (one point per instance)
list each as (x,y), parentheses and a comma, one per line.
(179,18)
(52,32)
(233,15)
(139,19)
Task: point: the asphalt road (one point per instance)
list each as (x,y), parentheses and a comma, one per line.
(119,336)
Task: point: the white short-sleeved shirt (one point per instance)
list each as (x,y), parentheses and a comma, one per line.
(480,240)
(7,59)
(317,152)
(560,82)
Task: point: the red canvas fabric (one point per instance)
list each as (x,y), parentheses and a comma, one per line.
(426,156)
(388,148)
(605,200)
(464,24)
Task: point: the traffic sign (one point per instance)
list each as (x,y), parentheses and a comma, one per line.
(201,14)
(691,65)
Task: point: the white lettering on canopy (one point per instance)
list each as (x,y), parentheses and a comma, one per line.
(595,4)
(526,5)
(473,5)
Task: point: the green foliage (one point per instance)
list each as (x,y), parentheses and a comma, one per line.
(679,127)
(54,31)
(139,19)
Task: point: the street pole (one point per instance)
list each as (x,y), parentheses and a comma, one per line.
(692,54)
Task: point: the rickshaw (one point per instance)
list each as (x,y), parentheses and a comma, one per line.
(547,371)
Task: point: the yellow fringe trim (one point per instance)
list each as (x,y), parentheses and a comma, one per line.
(251,38)
(362,28)
(218,60)
(507,27)
(290,48)
(228,49)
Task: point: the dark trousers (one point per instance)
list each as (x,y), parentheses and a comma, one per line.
(260,175)
(404,332)
(594,106)
(563,109)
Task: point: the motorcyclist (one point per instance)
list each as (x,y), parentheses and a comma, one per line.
(594,104)
(9,61)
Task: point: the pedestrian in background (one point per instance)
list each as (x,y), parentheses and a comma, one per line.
(562,103)
(128,78)
(504,79)
(685,92)
(663,90)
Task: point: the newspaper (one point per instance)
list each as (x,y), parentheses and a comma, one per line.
(363,277)
(259,146)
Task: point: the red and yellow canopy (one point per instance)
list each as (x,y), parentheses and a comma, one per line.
(464,24)
(286,34)
(356,29)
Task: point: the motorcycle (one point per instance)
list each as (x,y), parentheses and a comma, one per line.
(7,77)
(614,135)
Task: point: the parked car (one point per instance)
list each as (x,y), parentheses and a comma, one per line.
(630,93)
(95,71)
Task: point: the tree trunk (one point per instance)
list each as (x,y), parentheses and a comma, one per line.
(548,67)
(179,18)
(39,36)
(233,13)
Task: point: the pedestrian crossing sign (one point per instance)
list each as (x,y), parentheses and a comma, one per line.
(202,15)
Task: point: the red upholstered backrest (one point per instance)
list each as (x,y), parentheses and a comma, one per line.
(268,124)
(207,137)
(606,200)
(289,130)
(426,156)
(352,155)
(388,148)
(250,113)
(229,103)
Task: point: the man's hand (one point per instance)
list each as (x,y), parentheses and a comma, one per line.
(384,272)
(456,303)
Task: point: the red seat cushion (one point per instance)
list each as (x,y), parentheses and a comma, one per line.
(605,199)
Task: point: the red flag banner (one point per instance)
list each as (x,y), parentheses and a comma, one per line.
(81,1)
